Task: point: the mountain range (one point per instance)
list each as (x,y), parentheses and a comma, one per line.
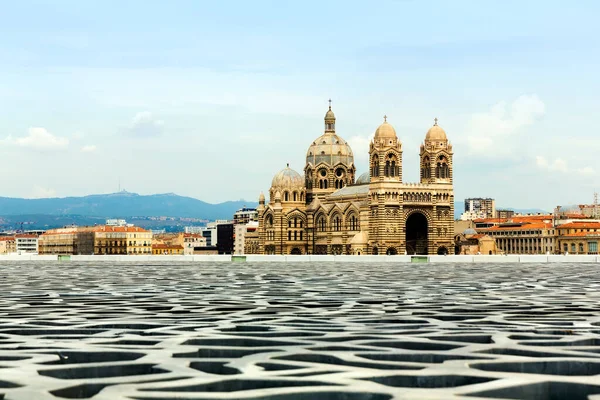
(119,205)
(94,209)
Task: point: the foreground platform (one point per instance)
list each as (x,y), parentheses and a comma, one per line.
(323,331)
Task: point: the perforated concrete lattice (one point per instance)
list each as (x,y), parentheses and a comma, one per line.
(299,331)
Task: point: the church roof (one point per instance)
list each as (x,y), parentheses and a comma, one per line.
(351,191)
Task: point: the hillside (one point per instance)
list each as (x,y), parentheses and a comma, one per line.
(122,205)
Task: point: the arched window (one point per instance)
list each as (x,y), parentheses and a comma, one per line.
(337,223)
(289,235)
(387,168)
(321,224)
(286,196)
(300,235)
(375,166)
(268,222)
(295,196)
(295,222)
(353,223)
(393,171)
(295,235)
(289,223)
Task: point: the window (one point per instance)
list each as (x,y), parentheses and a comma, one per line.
(572,247)
(592,247)
(289,235)
(300,235)
(581,247)
(337,223)
(295,235)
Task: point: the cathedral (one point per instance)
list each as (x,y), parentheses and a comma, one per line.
(331,211)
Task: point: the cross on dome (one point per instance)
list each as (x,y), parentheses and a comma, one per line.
(435,123)
(385,118)
(330,103)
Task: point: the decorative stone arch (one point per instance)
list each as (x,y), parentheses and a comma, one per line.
(296,251)
(442,251)
(349,223)
(417,239)
(268,219)
(321,222)
(299,216)
(391,251)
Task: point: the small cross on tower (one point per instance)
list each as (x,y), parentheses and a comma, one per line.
(385,118)
(330,104)
(435,123)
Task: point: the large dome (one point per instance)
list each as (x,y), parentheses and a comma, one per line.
(330,149)
(436,133)
(287,178)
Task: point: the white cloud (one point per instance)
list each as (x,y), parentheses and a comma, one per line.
(144,124)
(561,165)
(40,139)
(586,171)
(90,148)
(497,128)
(42,192)
(360,147)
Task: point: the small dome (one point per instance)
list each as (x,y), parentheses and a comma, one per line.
(261,198)
(385,131)
(360,238)
(363,178)
(329,115)
(436,134)
(470,231)
(287,178)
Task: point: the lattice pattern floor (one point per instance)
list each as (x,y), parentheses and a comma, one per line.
(299,331)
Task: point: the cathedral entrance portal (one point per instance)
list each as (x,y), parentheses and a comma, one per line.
(296,251)
(416,234)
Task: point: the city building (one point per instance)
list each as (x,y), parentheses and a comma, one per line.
(7,245)
(192,241)
(329,211)
(504,214)
(71,240)
(245,215)
(527,234)
(139,241)
(472,243)
(117,222)
(210,231)
(26,243)
(579,237)
(485,207)
(472,215)
(100,240)
(241,231)
(225,238)
(167,249)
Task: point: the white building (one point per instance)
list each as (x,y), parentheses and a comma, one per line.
(472,215)
(240,231)
(116,222)
(26,243)
(192,240)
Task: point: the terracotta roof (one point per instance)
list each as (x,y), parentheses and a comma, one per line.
(524,227)
(6,238)
(580,225)
(26,236)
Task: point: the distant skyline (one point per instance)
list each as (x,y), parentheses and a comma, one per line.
(211,99)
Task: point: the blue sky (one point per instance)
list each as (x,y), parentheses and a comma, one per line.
(211,99)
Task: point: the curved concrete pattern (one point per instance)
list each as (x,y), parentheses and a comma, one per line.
(303,331)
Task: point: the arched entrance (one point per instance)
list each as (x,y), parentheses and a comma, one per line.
(375,251)
(296,251)
(442,251)
(416,234)
(391,251)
